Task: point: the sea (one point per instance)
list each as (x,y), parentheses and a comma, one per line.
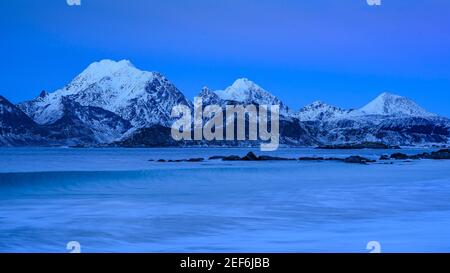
(124,200)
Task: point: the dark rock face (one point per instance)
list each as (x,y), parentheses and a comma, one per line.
(438,155)
(231,158)
(155,136)
(414,130)
(79,126)
(181,160)
(311,158)
(441,154)
(364,145)
(250,157)
(195,160)
(399,156)
(17,129)
(86,125)
(216,157)
(351,159)
(358,160)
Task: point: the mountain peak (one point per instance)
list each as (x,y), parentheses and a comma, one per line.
(43,94)
(206,89)
(243,83)
(110,64)
(245,91)
(6,104)
(388,104)
(241,90)
(319,110)
(209,97)
(107,67)
(318,103)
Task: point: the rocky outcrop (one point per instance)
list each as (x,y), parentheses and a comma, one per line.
(356,146)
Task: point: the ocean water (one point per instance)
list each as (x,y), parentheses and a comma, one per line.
(115,200)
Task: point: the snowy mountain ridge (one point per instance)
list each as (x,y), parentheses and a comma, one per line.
(384,106)
(247,92)
(141,97)
(388,104)
(320,111)
(112,100)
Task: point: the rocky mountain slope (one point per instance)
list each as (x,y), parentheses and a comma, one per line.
(114,102)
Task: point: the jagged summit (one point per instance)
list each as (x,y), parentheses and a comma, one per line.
(13,120)
(319,110)
(141,97)
(242,90)
(388,104)
(247,92)
(209,97)
(107,66)
(111,100)
(43,94)
(2,99)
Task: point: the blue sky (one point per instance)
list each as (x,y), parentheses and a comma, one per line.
(343,52)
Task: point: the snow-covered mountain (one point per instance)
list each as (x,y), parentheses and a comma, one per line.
(320,111)
(114,102)
(247,92)
(86,125)
(78,125)
(389,118)
(383,106)
(388,104)
(143,98)
(16,128)
(209,97)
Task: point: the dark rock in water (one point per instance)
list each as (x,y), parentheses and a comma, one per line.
(334,159)
(385,157)
(182,160)
(274,158)
(231,158)
(195,160)
(250,157)
(217,157)
(364,145)
(399,156)
(151,160)
(358,160)
(420,156)
(311,158)
(441,154)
